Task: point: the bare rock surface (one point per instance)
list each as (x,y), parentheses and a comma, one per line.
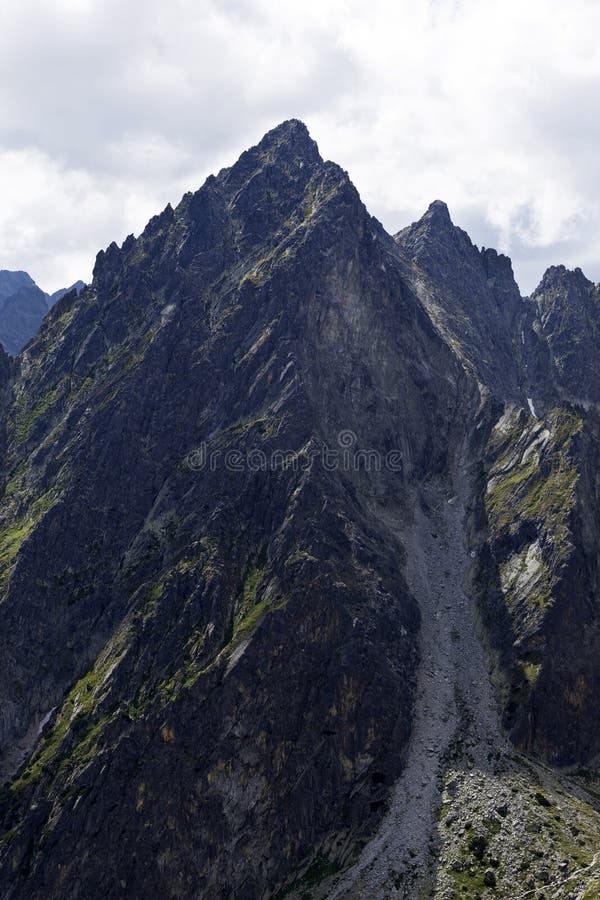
(300,561)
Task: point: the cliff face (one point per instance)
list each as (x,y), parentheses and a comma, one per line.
(210,651)
(538,576)
(236,619)
(567,308)
(534,499)
(471,296)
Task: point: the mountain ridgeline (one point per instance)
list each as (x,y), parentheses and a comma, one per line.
(23,305)
(299,540)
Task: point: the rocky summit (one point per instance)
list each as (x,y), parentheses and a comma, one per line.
(300,561)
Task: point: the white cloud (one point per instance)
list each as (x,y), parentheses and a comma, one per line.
(110,109)
(53,219)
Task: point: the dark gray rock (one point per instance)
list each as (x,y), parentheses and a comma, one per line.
(471,296)
(208,649)
(248,627)
(58,295)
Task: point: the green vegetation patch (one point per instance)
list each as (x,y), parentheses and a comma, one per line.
(252,603)
(530,671)
(15,534)
(533,479)
(26,416)
(251,606)
(74,735)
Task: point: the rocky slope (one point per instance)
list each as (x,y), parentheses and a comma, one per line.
(58,295)
(22,307)
(298,526)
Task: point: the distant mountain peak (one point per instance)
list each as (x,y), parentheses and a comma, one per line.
(434,223)
(23,306)
(560,277)
(438,214)
(10,282)
(58,295)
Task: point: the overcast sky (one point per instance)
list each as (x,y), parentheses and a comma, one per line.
(111,108)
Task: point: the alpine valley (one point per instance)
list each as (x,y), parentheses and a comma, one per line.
(300,561)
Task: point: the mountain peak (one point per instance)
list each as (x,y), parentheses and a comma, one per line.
(23,306)
(434,222)
(289,139)
(289,127)
(439,207)
(560,277)
(286,443)
(438,215)
(288,146)
(10,282)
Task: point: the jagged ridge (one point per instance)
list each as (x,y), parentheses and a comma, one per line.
(233,650)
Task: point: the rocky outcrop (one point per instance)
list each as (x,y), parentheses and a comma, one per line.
(567,308)
(534,437)
(58,295)
(471,296)
(538,577)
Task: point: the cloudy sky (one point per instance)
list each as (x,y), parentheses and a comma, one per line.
(111,108)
